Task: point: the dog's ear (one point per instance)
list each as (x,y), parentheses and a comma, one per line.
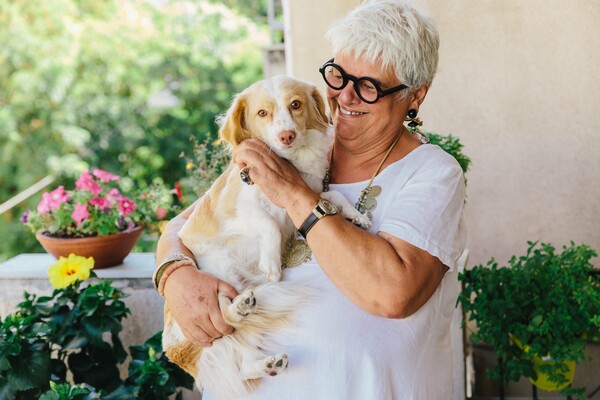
(232,123)
(319,119)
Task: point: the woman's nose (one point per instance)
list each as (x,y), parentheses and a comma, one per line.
(348,94)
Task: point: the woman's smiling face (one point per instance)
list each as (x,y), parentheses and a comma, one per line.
(355,119)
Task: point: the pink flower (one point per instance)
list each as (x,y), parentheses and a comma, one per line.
(126,206)
(100,202)
(80,213)
(105,176)
(53,200)
(161,213)
(114,196)
(44,205)
(86,182)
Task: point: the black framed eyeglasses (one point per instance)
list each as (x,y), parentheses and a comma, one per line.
(367,89)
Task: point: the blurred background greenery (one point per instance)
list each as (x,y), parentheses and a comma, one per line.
(122,85)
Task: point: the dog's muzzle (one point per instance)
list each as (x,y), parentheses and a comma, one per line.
(245,176)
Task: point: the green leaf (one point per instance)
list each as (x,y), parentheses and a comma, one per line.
(30,372)
(6,391)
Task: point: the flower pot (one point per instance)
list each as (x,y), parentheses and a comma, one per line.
(543,380)
(107,251)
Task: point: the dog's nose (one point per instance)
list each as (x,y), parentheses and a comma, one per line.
(287,137)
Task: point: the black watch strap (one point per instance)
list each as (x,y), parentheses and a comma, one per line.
(323,208)
(308,223)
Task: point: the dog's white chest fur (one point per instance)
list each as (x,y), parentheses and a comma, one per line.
(247,249)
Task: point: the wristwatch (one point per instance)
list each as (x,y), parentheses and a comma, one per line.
(323,208)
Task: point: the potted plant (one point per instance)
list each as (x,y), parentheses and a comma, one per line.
(99,218)
(66,346)
(538,313)
(75,329)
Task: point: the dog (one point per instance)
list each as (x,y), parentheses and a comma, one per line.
(237,235)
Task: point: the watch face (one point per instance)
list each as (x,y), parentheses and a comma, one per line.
(328,207)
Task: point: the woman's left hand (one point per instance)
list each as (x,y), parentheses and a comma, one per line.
(276,177)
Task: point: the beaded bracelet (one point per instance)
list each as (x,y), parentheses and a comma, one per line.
(172,267)
(166,262)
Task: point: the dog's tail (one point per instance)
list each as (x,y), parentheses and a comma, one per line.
(222,365)
(276,303)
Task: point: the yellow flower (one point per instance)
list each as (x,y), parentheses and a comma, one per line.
(189,165)
(68,270)
(162,225)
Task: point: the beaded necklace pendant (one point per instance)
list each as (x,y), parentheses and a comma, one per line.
(366,201)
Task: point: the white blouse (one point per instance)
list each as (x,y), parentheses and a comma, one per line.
(339,351)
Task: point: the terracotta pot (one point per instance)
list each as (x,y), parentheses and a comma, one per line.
(108,251)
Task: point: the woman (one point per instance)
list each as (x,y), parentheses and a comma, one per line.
(380,327)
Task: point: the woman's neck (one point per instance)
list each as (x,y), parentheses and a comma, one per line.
(352,163)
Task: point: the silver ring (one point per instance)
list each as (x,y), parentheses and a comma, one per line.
(245,176)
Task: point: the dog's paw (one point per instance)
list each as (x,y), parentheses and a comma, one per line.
(274,275)
(244,303)
(274,365)
(358,219)
(362,220)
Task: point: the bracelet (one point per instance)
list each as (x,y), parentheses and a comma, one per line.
(166,262)
(172,267)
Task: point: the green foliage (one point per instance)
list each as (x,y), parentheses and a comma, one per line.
(23,345)
(207,162)
(151,375)
(255,10)
(65,391)
(547,301)
(85,83)
(77,327)
(452,146)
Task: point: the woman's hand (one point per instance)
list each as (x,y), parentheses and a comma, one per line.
(277,178)
(192,296)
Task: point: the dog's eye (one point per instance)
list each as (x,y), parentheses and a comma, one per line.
(296,104)
(262,113)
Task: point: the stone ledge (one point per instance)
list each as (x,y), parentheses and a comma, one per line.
(35,266)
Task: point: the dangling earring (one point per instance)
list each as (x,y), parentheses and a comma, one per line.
(330,119)
(413,126)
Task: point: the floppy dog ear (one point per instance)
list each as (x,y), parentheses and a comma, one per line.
(319,119)
(232,123)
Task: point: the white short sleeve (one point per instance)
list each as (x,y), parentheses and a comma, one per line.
(427,208)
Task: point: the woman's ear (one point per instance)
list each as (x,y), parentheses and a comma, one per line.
(232,124)
(418,96)
(319,119)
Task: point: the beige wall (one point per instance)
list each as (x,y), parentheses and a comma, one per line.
(518,82)
(305,24)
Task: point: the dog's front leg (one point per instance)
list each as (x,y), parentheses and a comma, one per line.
(270,248)
(347,209)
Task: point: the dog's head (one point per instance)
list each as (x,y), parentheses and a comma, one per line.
(279,111)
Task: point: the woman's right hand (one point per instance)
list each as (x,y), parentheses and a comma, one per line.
(193,300)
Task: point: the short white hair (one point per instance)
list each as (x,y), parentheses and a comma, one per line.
(390,33)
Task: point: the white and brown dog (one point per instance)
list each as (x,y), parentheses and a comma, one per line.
(237,235)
